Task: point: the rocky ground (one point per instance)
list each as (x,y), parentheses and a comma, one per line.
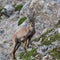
(45,42)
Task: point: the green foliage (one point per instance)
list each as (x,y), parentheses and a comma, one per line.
(45,40)
(53,38)
(21,20)
(27,56)
(18,7)
(55,53)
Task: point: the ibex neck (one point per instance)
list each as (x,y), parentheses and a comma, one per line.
(33,23)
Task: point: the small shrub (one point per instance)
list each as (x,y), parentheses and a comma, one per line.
(21,20)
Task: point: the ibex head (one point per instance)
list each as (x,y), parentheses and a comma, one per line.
(31,16)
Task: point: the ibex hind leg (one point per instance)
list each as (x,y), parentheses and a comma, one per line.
(25,45)
(15,47)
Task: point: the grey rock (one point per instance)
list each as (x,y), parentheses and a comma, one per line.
(42,50)
(8,10)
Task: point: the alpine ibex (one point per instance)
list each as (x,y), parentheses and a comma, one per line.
(24,35)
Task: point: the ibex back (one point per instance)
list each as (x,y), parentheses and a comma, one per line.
(24,36)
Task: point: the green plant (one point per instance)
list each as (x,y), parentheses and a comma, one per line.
(53,38)
(21,20)
(18,7)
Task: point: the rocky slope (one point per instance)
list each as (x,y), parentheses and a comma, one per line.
(46,41)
